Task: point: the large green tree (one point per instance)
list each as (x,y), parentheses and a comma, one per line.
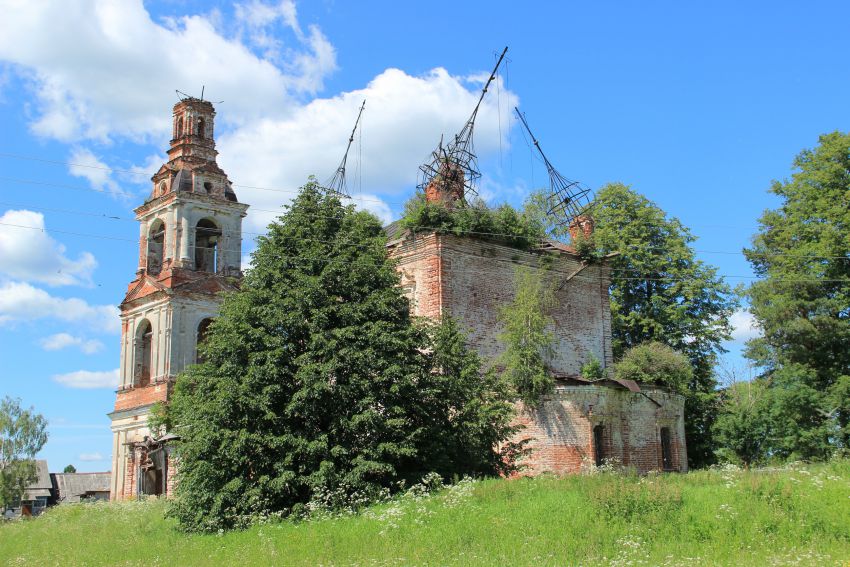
(660,292)
(22,434)
(802,302)
(318,385)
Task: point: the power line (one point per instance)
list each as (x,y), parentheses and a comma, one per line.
(724,276)
(136,172)
(428,228)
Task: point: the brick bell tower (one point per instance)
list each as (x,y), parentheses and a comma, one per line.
(189,251)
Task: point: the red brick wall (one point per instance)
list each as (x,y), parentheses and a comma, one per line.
(130,476)
(471,279)
(141,396)
(561,429)
(420,265)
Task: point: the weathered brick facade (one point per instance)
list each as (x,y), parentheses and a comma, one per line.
(471,278)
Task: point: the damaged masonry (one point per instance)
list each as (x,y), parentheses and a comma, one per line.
(189,252)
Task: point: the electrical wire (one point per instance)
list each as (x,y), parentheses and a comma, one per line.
(427,228)
(722,276)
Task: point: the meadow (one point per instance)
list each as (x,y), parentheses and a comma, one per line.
(793,515)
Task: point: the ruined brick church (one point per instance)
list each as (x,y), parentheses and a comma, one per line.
(190,251)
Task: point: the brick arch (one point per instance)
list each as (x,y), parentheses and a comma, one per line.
(156,246)
(201,335)
(144,354)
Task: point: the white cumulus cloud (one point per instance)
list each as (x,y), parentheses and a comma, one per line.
(405,117)
(103,69)
(88,380)
(28,253)
(744,326)
(268,136)
(91,457)
(83,163)
(22,302)
(61,341)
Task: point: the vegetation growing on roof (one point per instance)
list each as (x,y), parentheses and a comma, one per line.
(660,291)
(503,224)
(656,363)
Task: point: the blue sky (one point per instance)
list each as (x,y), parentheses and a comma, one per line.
(696,105)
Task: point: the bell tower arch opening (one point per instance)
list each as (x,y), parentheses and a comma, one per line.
(156,241)
(207,234)
(144,353)
(203,329)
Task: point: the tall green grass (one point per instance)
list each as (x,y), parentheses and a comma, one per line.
(797,515)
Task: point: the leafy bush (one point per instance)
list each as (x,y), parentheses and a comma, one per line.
(528,342)
(742,429)
(503,224)
(656,363)
(592,369)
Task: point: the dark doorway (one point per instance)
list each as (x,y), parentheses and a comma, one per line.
(598,446)
(666,453)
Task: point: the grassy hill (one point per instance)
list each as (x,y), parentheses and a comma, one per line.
(798,515)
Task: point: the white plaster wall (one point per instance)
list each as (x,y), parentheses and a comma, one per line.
(174,325)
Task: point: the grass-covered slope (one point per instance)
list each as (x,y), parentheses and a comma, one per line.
(794,516)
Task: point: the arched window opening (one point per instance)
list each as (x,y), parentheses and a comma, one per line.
(203,328)
(161,189)
(207,187)
(666,450)
(144,353)
(206,246)
(156,240)
(201,125)
(180,127)
(598,446)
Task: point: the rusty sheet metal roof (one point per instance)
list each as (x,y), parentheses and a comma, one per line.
(631,385)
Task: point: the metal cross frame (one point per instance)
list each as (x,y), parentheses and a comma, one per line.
(459,154)
(568,199)
(337,184)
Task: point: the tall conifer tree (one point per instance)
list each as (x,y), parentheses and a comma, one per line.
(316,381)
(802,303)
